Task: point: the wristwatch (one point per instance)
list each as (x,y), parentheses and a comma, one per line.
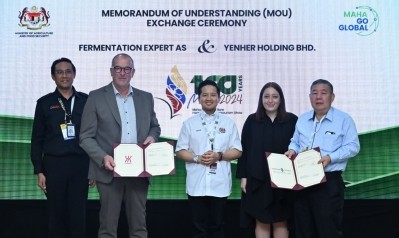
(220,156)
(195,159)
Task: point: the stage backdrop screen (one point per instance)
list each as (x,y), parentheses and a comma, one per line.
(239,44)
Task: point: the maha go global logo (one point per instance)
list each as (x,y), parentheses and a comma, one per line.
(363,21)
(178,94)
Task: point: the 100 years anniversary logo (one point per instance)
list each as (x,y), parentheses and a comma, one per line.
(178,94)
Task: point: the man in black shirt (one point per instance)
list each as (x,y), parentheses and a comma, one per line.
(60,164)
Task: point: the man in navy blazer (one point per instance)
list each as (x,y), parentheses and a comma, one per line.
(114,114)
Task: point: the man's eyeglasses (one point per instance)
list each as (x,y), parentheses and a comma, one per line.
(118,69)
(67,72)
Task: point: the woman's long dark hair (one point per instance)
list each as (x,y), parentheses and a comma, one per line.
(281,112)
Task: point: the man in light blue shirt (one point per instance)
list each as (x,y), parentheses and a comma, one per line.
(319,209)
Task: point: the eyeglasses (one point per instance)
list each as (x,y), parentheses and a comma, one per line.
(67,72)
(118,69)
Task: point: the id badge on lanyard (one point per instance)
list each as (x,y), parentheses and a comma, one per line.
(213,168)
(67,128)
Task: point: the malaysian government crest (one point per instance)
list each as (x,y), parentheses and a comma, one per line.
(34,18)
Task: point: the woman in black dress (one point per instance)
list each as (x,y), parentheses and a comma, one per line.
(269,129)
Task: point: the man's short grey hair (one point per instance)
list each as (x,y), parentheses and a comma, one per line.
(124,55)
(322,81)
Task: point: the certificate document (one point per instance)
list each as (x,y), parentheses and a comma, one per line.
(299,172)
(134,160)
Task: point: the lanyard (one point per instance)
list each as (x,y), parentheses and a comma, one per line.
(316,128)
(68,116)
(211,134)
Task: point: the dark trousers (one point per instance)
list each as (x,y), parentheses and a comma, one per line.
(319,209)
(207,215)
(67,189)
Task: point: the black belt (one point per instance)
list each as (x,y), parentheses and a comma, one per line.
(333,174)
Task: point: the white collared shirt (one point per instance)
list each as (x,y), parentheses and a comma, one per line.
(194,137)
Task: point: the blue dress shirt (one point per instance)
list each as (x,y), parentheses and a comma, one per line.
(335,134)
